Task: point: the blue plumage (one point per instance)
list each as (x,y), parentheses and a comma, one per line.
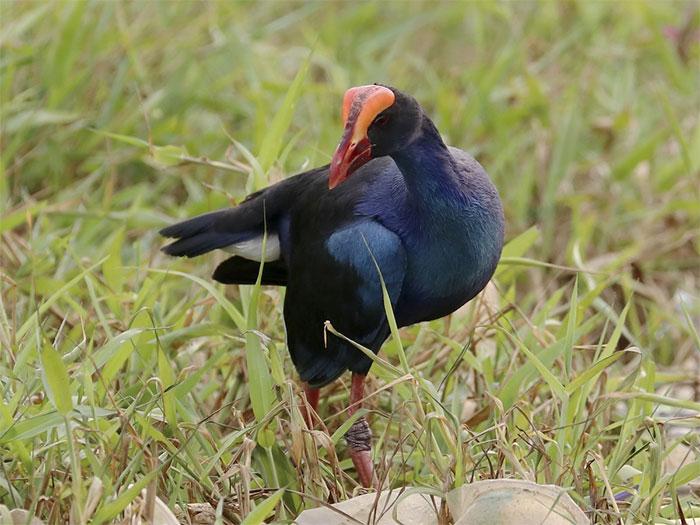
(428,214)
(442,205)
(368,248)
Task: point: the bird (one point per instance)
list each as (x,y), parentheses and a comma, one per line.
(396,210)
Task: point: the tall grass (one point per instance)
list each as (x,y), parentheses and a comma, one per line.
(122,369)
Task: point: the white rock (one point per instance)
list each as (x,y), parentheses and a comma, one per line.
(513,502)
(17,517)
(411,509)
(491,502)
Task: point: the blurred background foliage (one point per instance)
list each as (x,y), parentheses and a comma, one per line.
(118,117)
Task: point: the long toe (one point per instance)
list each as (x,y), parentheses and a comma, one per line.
(362,459)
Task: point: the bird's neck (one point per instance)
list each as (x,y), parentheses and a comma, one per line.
(427,165)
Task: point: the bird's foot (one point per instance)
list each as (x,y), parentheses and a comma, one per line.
(359,439)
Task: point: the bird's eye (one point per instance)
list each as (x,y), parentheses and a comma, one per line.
(381,120)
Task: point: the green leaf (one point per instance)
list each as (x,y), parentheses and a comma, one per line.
(544,371)
(114,354)
(14,29)
(594,370)
(228,307)
(571,329)
(664,400)
(160,156)
(29,427)
(686,474)
(55,297)
(186,386)
(165,156)
(111,509)
(260,384)
(519,380)
(167,379)
(39,118)
(611,345)
(21,216)
(518,246)
(513,252)
(263,509)
(113,269)
(642,150)
(564,152)
(56,380)
(133,141)
(272,141)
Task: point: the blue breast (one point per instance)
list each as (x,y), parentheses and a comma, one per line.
(452,231)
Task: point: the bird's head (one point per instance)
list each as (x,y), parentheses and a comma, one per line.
(378,121)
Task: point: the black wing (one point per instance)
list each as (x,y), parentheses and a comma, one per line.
(336,279)
(263,211)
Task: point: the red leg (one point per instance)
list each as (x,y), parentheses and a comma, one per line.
(359,437)
(312,395)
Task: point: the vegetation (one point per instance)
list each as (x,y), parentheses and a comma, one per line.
(122,368)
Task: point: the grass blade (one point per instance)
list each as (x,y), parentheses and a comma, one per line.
(263,509)
(56,380)
(272,142)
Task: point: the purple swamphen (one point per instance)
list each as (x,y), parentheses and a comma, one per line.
(394,197)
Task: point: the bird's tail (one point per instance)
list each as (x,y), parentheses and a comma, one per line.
(202,234)
(238,270)
(223,229)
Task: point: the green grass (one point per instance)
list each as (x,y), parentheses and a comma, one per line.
(122,365)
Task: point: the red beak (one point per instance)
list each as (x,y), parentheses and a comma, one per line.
(360,107)
(348,157)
